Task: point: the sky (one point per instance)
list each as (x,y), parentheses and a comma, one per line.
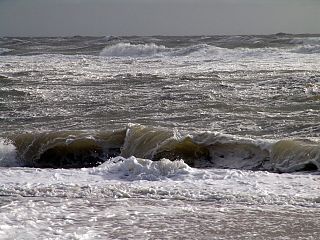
(157,17)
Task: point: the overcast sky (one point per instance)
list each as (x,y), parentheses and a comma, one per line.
(157,17)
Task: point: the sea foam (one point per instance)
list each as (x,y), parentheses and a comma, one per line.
(133,168)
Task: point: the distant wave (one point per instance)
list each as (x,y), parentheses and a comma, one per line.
(200,50)
(306,45)
(306,41)
(308,49)
(135,46)
(4,50)
(132,50)
(151,50)
(111,37)
(202,150)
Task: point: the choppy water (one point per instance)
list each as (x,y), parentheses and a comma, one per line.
(219,116)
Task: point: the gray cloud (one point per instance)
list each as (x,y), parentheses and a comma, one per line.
(152,17)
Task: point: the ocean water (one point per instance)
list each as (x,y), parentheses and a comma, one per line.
(199,137)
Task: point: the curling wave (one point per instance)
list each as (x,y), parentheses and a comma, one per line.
(66,149)
(201,150)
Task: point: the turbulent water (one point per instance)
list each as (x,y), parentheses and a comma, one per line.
(209,137)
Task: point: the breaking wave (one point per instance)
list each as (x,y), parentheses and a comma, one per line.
(8,154)
(66,149)
(132,50)
(200,150)
(153,50)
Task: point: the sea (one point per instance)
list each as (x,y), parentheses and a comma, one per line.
(160,137)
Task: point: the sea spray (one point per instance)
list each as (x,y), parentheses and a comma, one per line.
(8,154)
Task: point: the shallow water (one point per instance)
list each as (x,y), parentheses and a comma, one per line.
(121,200)
(146,219)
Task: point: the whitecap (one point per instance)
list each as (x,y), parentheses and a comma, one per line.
(132,50)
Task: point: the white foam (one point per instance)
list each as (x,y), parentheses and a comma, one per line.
(163,179)
(132,50)
(8,155)
(142,169)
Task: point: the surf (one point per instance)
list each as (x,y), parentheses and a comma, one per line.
(78,149)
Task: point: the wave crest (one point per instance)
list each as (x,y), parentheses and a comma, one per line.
(201,150)
(132,50)
(67,149)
